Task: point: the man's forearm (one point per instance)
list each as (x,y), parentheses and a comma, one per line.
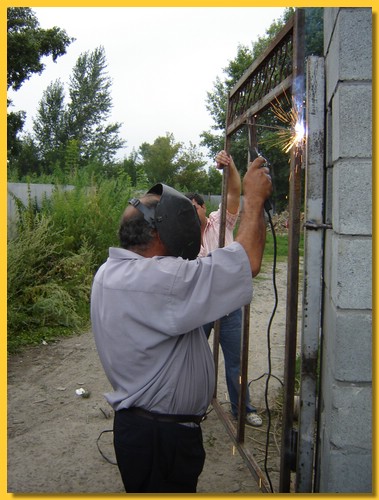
(252,234)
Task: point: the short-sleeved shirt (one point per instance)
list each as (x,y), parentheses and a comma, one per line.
(146,318)
(210,238)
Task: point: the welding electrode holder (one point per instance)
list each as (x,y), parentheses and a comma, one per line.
(254,153)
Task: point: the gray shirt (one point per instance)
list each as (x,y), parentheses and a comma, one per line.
(147,316)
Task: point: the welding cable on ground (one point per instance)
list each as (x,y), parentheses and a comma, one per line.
(269,349)
(263,375)
(98,447)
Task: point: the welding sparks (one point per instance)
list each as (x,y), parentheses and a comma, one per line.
(294,134)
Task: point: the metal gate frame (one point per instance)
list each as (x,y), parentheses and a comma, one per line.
(278,70)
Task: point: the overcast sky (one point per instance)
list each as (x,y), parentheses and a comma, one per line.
(162,62)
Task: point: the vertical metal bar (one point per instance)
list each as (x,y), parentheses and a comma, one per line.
(243,374)
(252,138)
(292,271)
(313,271)
(244,359)
(221,242)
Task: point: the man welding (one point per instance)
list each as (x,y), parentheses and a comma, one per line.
(149,301)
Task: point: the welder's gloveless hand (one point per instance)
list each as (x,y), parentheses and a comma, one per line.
(257,184)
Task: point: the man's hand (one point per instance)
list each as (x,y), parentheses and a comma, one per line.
(257,184)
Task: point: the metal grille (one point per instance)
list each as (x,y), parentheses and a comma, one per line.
(269,77)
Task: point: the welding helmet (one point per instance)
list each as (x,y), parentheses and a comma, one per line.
(176,221)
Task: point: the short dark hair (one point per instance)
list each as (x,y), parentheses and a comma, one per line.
(195,196)
(134,231)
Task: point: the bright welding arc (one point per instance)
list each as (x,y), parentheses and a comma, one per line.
(293,133)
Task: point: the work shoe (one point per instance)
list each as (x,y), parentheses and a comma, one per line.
(253,419)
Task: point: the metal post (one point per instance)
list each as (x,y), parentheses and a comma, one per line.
(313,271)
(287,453)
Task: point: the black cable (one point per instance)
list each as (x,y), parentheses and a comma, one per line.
(98,447)
(269,374)
(263,374)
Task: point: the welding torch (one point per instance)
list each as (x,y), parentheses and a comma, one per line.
(253,154)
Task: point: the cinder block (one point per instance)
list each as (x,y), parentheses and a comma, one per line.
(352,121)
(348,342)
(351,404)
(353,346)
(355,29)
(349,50)
(351,272)
(346,473)
(338,471)
(352,197)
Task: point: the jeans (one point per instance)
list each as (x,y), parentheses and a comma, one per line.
(230,341)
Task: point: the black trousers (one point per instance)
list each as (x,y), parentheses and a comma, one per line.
(157,457)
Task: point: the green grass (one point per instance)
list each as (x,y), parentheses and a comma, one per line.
(281,246)
(281,252)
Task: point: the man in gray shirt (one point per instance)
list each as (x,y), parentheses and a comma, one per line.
(148,302)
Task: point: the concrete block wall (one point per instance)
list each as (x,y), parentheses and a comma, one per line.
(344,461)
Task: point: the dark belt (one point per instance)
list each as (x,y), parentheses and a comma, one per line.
(162,417)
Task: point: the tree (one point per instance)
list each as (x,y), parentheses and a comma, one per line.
(314,31)
(173,163)
(26,161)
(90,106)
(73,135)
(131,167)
(15,123)
(27,43)
(214,180)
(49,126)
(191,174)
(159,160)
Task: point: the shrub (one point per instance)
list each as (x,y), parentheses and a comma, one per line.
(48,291)
(89,214)
(52,259)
